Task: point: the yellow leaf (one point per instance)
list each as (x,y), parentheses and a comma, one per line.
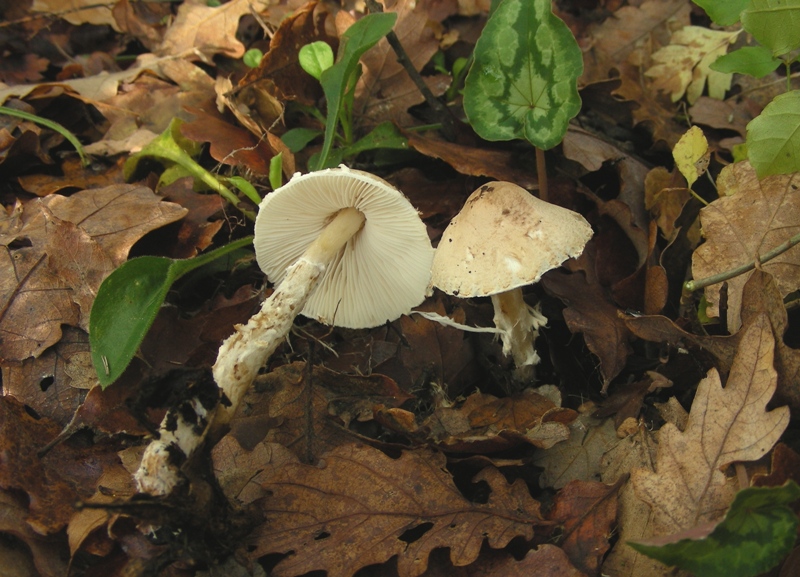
(683,66)
(691,154)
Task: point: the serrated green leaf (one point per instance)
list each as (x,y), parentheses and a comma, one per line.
(773,137)
(774,23)
(127,304)
(315,58)
(724,13)
(758,531)
(755,61)
(356,40)
(523,81)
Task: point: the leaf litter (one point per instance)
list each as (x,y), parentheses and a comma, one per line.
(407,448)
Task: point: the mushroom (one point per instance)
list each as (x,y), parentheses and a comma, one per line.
(503,239)
(343,247)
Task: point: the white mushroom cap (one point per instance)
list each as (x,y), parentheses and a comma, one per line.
(505,238)
(383,271)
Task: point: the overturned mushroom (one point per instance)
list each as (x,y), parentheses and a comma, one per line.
(503,239)
(344,247)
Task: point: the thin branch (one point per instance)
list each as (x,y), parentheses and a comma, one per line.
(694,285)
(443,113)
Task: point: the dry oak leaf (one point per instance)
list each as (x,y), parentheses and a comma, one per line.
(630,31)
(750,218)
(688,486)
(208,30)
(362,507)
(683,67)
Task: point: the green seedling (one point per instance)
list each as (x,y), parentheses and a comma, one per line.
(129,300)
(523,79)
(338,79)
(71,138)
(252,58)
(172,148)
(758,531)
(774,135)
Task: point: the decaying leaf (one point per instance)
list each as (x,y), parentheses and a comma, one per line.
(361,507)
(750,218)
(689,485)
(683,67)
(691,154)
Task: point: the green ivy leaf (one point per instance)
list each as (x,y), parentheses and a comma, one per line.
(523,82)
(127,304)
(755,61)
(774,23)
(724,13)
(773,137)
(356,40)
(757,532)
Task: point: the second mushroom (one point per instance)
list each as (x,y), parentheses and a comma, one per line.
(503,239)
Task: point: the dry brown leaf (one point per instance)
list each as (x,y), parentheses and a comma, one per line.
(665,196)
(630,32)
(78,12)
(689,485)
(750,218)
(297,411)
(578,458)
(589,312)
(202,29)
(385,89)
(362,507)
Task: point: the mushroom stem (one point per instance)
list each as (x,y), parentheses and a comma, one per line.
(243,354)
(240,358)
(519,324)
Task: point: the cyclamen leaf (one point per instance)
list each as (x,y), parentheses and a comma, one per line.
(773,137)
(757,532)
(774,23)
(523,82)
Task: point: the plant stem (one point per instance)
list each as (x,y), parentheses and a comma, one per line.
(447,119)
(73,140)
(694,285)
(541,174)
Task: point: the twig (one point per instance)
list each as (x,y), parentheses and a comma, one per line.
(694,285)
(446,118)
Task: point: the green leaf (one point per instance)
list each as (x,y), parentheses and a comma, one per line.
(385,135)
(523,82)
(723,12)
(356,40)
(252,58)
(296,139)
(757,532)
(773,137)
(276,171)
(755,61)
(774,23)
(127,304)
(316,58)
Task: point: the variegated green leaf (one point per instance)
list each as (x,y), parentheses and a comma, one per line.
(523,82)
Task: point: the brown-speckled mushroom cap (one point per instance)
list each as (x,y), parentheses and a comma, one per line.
(382,272)
(504,238)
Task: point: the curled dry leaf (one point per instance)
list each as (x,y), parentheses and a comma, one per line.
(361,507)
(726,425)
(750,218)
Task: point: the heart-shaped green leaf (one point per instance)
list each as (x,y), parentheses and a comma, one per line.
(127,304)
(523,82)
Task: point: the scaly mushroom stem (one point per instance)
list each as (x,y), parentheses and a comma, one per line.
(519,324)
(241,356)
